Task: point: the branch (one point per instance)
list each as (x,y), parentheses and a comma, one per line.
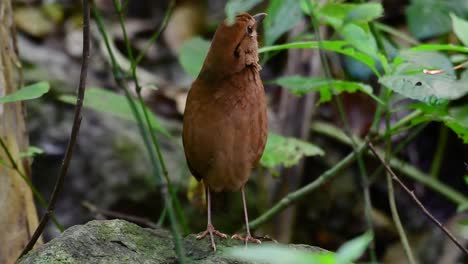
(74,133)
(135,219)
(416,200)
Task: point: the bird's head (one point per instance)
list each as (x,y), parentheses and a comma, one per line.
(234,47)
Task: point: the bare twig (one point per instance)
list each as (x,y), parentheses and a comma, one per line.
(74,132)
(439,71)
(135,219)
(416,200)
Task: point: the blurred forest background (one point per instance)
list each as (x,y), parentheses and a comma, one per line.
(367,81)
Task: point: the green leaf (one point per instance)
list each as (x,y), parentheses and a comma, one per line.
(353,249)
(192,54)
(31,152)
(284,151)
(460,27)
(428,18)
(456,118)
(278,254)
(462,208)
(342,47)
(335,13)
(29,92)
(360,39)
(307,6)
(338,14)
(109,102)
(233,7)
(364,13)
(300,85)
(466,179)
(409,80)
(282,16)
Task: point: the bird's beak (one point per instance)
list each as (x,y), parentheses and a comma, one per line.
(259,17)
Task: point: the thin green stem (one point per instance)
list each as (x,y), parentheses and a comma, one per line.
(397,221)
(439,153)
(336,133)
(397,149)
(397,164)
(303,191)
(155,141)
(156,34)
(404,121)
(396,33)
(36,193)
(391,192)
(344,119)
(118,76)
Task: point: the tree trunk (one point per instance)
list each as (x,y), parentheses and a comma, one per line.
(18,217)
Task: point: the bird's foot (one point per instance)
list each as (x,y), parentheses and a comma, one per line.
(247,239)
(210,230)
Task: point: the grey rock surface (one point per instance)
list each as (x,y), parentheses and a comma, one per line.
(118,241)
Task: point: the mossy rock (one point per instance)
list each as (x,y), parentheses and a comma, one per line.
(118,241)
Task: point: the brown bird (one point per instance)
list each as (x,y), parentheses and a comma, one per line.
(225,119)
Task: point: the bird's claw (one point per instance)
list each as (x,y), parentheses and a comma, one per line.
(210,230)
(247,239)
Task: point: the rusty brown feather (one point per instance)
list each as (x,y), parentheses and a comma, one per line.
(225,120)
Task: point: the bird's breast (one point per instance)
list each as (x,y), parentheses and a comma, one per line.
(225,131)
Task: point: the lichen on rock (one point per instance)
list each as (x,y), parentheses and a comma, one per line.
(118,241)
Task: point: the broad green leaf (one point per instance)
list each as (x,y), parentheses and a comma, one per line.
(462,208)
(192,54)
(29,92)
(109,102)
(428,18)
(338,14)
(413,62)
(280,254)
(353,249)
(234,7)
(31,152)
(409,80)
(335,13)
(284,151)
(300,85)
(460,27)
(341,47)
(364,13)
(360,39)
(282,16)
(308,6)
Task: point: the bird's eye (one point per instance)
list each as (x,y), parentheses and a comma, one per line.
(249,30)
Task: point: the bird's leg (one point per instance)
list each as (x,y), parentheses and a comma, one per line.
(248,237)
(210,228)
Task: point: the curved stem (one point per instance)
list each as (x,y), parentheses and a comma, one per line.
(74,133)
